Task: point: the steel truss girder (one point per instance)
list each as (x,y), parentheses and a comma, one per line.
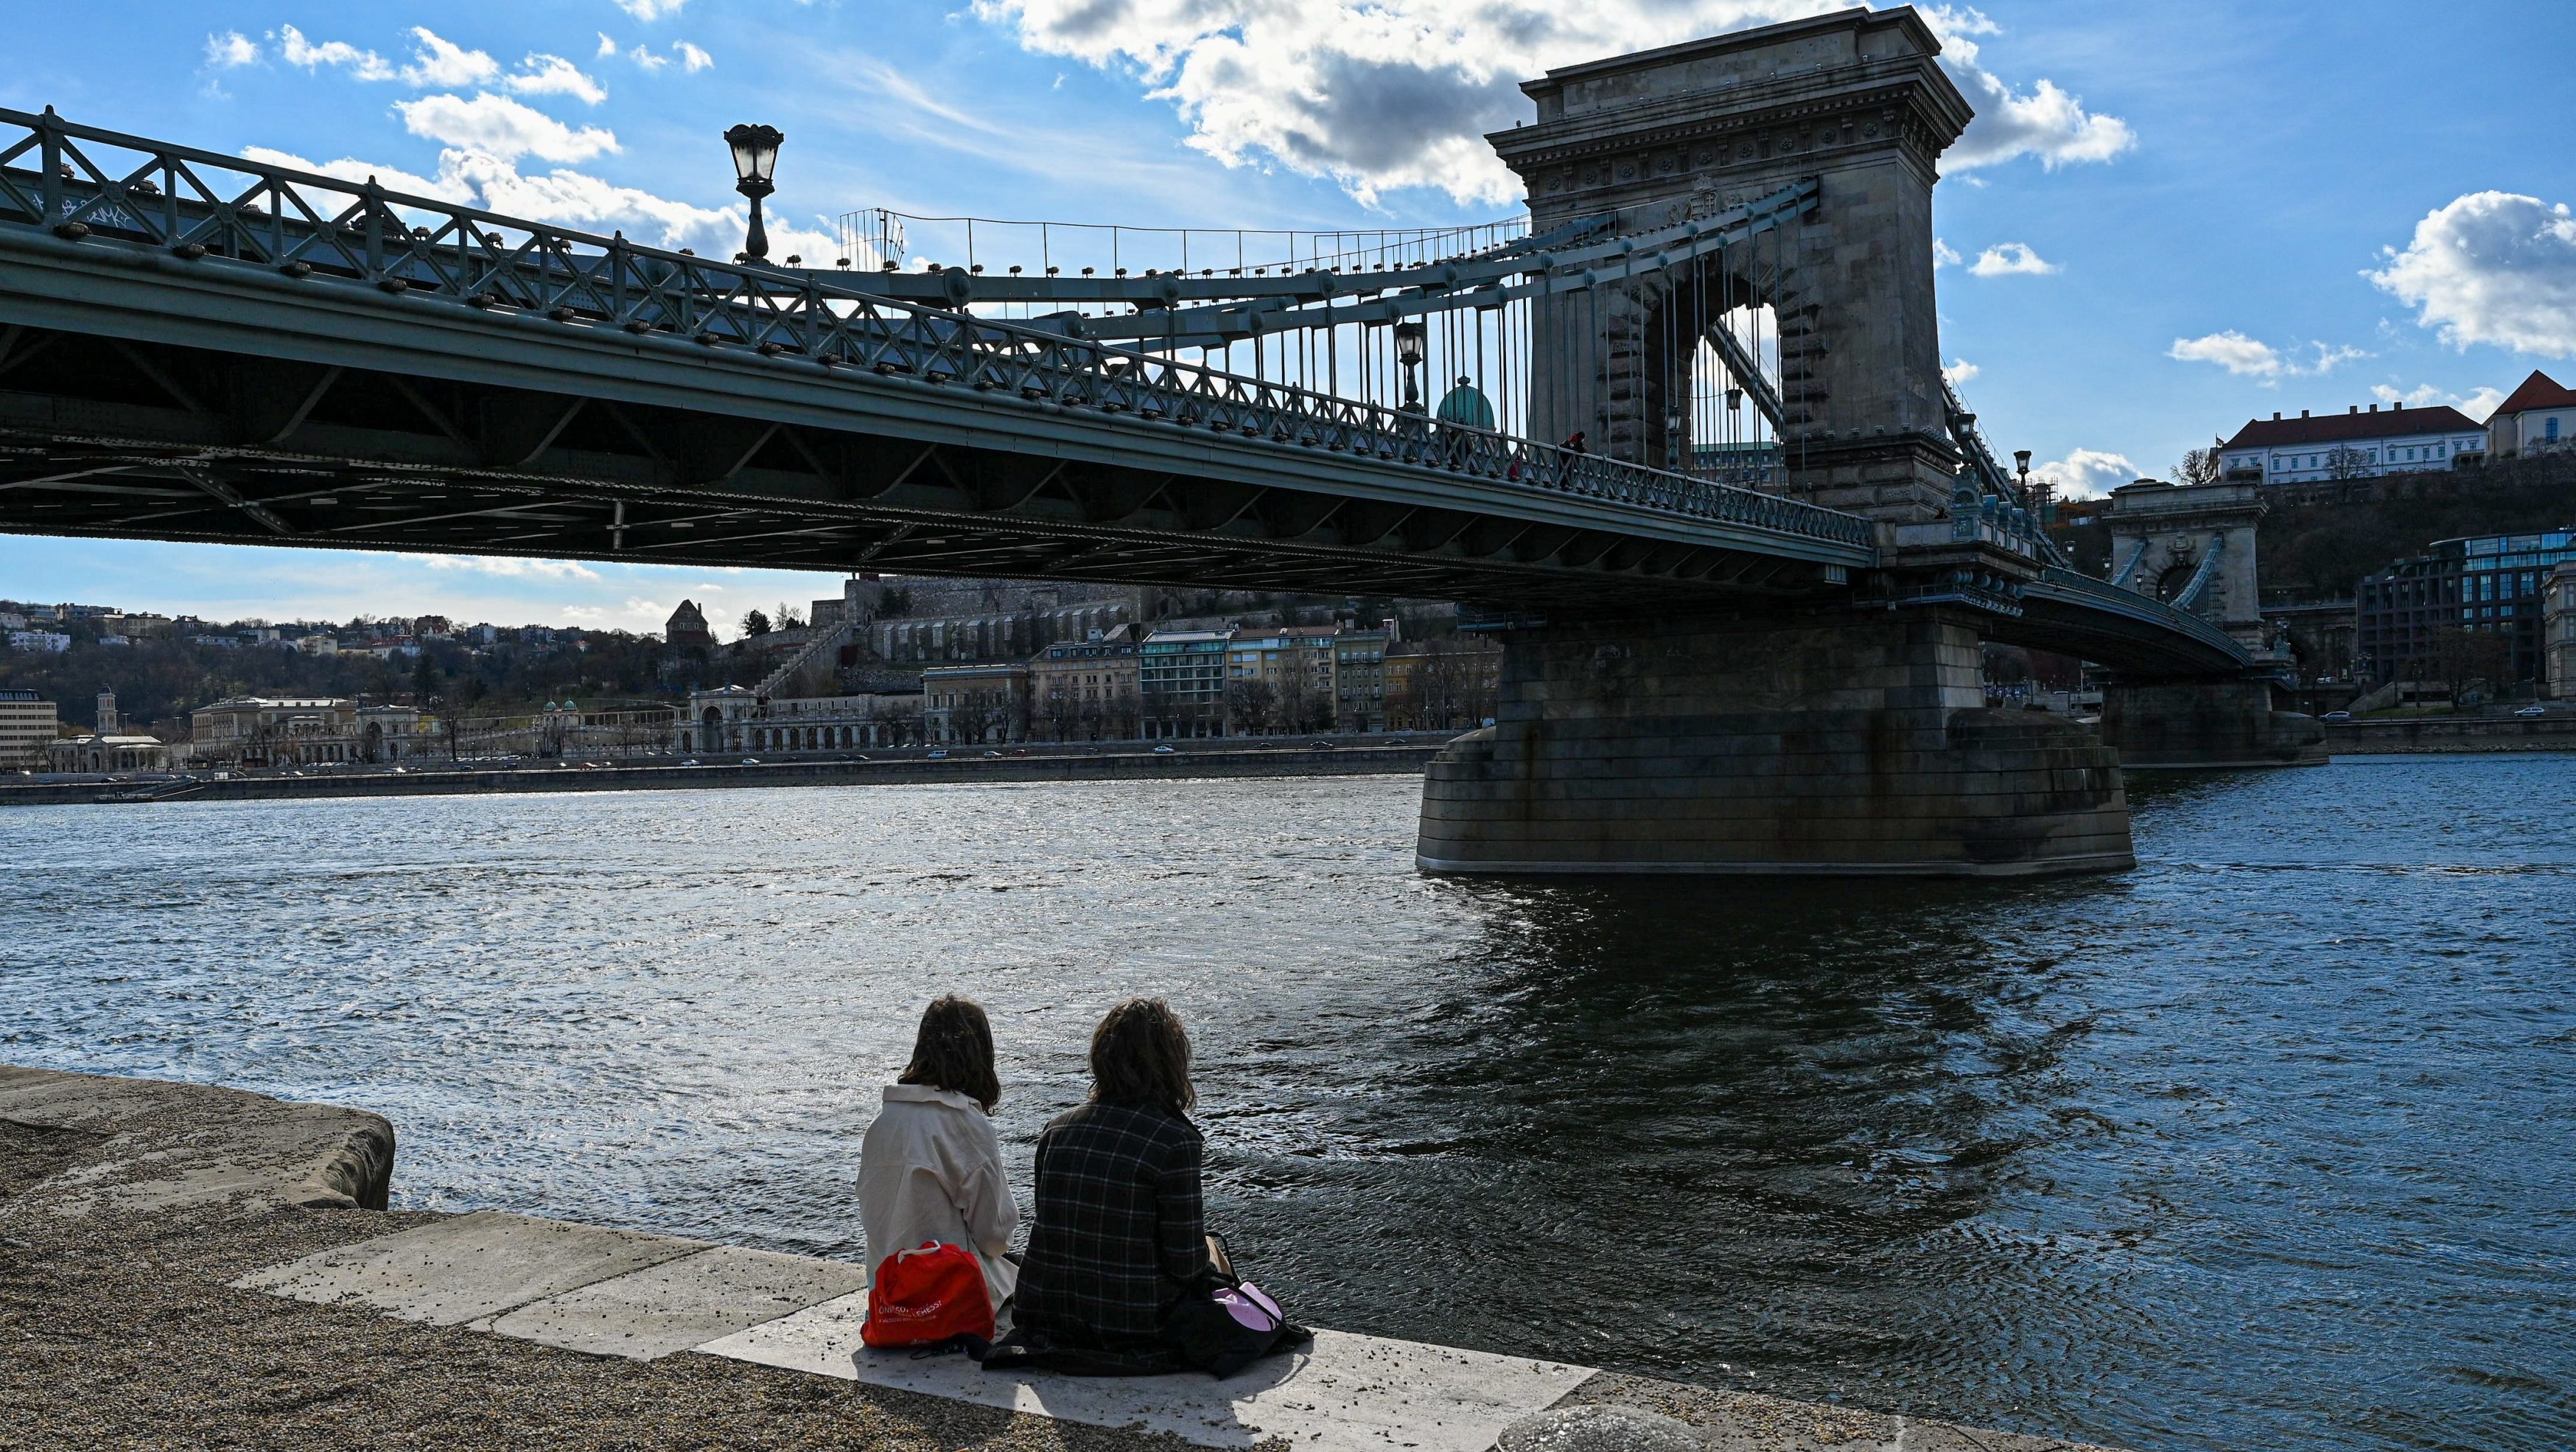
(412,274)
(643,482)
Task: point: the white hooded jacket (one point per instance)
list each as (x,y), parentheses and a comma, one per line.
(930,1168)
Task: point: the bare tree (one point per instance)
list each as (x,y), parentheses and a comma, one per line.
(2346,462)
(1453,684)
(2463,659)
(1249,702)
(1294,708)
(970,716)
(2198,466)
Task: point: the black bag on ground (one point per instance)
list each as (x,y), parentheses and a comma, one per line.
(1225,1323)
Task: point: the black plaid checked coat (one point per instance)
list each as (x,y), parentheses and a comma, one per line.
(1117,1231)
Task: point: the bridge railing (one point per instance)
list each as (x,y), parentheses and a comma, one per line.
(83,183)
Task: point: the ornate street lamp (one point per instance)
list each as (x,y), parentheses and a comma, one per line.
(755,156)
(1408,351)
(2021,465)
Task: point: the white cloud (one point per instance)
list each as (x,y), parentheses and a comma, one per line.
(2010,259)
(230,49)
(440,62)
(2047,123)
(2231,350)
(607,47)
(1383,94)
(1960,371)
(2477,405)
(508,566)
(366,65)
(552,75)
(649,10)
(644,56)
(693,58)
(572,199)
(2086,473)
(2491,267)
(350,169)
(2253,358)
(1945,255)
(435,60)
(500,127)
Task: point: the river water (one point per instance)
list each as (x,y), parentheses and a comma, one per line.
(2266,1144)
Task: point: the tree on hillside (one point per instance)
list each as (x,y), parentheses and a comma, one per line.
(754,623)
(2198,466)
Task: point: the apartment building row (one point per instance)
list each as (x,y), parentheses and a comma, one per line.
(1123,684)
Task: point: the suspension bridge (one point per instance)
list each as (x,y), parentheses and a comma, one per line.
(1691,452)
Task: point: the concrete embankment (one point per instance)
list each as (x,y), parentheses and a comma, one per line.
(2442,734)
(187,1266)
(1119,765)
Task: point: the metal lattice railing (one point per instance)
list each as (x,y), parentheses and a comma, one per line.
(90,185)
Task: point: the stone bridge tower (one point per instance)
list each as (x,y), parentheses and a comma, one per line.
(1855,99)
(2192,546)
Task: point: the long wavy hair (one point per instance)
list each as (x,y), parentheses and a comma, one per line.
(954,1051)
(1140,1057)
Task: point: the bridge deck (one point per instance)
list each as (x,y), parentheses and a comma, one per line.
(198,347)
(286,357)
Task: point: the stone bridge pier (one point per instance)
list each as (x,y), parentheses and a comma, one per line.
(1837,742)
(1839,730)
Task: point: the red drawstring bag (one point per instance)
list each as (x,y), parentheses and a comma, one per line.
(926,1296)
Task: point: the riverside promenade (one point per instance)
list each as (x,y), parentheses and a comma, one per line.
(184,1266)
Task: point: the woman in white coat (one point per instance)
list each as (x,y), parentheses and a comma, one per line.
(930,1168)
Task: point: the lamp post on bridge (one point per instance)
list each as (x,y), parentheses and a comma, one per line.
(755,157)
(1408,351)
(2021,466)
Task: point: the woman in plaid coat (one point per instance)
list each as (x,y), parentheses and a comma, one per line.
(1118,1234)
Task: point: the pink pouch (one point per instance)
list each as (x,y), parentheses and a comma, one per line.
(1251,1307)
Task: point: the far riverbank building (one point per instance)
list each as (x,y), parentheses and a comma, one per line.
(2358,443)
(2469,605)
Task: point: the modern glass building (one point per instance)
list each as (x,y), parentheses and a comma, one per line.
(1181,676)
(2430,617)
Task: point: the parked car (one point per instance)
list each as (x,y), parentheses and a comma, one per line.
(751,761)
(939,753)
(1019,751)
(2336,716)
(1321,745)
(2533,710)
(1162,751)
(994,754)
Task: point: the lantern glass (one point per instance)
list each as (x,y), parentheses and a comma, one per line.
(755,155)
(1408,343)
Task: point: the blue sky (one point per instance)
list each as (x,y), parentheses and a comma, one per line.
(2169,218)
